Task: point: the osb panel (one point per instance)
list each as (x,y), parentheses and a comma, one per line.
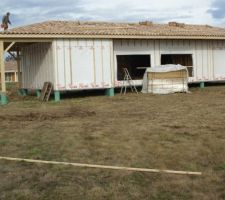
(166,75)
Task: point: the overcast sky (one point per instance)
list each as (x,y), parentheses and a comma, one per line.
(161,11)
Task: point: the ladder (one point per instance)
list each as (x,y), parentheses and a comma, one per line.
(46,91)
(127,80)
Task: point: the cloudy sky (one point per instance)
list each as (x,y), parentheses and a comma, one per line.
(161,11)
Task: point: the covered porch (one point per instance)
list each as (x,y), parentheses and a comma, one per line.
(13,47)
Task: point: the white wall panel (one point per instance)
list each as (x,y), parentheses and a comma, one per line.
(219,63)
(205,61)
(67,64)
(198,68)
(37,65)
(60,57)
(205,58)
(85,64)
(98,62)
(106,61)
(74,50)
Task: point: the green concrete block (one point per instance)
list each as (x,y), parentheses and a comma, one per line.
(20,92)
(202,85)
(23,92)
(57,96)
(110,92)
(4,99)
(38,93)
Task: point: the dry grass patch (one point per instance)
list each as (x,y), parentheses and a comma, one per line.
(179,131)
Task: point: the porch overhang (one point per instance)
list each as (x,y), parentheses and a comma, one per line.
(9,44)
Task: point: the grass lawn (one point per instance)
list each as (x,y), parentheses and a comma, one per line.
(177,132)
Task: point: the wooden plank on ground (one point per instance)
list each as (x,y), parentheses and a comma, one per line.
(103,166)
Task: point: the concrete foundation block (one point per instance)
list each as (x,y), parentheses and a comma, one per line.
(110,92)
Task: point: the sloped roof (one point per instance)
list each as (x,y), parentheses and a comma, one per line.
(148,30)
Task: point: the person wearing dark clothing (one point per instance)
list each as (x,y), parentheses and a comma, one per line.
(6,21)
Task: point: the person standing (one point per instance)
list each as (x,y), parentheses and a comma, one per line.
(6,21)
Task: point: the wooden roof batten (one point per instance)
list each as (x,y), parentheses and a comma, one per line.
(50,30)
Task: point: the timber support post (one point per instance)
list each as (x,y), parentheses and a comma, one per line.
(18,60)
(4,98)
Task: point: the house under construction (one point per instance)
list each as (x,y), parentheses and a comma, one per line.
(77,55)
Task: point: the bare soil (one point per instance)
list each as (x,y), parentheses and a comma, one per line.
(178,132)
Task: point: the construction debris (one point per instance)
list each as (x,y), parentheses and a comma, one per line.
(176,24)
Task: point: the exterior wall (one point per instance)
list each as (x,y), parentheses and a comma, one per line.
(77,64)
(83,64)
(37,65)
(208,56)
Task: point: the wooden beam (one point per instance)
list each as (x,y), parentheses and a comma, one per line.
(9,47)
(103,166)
(2,66)
(27,40)
(11,54)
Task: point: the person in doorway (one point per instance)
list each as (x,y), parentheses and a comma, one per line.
(6,21)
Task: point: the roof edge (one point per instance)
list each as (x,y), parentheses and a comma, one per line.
(66,36)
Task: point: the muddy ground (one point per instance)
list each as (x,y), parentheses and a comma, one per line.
(178,132)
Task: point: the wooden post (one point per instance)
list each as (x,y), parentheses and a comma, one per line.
(19,69)
(2,63)
(9,47)
(15,79)
(4,99)
(21,91)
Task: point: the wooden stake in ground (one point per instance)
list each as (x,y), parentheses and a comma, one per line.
(103,166)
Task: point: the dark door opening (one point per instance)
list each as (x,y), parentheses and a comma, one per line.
(132,62)
(182,59)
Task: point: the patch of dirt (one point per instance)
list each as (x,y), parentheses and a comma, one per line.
(174,126)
